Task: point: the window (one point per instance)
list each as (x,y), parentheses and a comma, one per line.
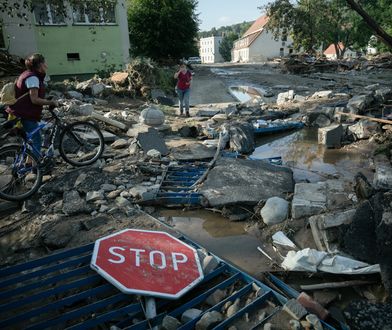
(290,51)
(2,42)
(49,14)
(281,52)
(73,56)
(94,14)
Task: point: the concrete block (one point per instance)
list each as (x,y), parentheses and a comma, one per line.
(330,136)
(383,177)
(190,315)
(309,199)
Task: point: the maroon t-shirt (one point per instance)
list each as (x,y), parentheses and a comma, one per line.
(184,80)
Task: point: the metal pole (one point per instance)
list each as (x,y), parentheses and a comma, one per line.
(151,310)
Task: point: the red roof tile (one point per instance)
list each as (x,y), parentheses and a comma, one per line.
(258,25)
(331,49)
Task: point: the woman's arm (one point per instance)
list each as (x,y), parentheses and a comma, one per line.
(176,74)
(35,99)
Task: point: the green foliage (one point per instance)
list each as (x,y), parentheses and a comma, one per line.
(163,29)
(238,29)
(319,23)
(227,44)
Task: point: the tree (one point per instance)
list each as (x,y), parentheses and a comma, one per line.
(226,45)
(163,29)
(385,14)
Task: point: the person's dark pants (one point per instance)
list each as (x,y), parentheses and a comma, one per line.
(29,126)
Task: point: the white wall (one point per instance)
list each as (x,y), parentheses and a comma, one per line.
(22,30)
(264,47)
(209,50)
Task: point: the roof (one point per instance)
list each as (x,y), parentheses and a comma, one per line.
(257,26)
(331,49)
(252,33)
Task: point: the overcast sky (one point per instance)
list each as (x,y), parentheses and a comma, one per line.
(215,13)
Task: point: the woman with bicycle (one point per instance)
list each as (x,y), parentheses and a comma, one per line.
(30,96)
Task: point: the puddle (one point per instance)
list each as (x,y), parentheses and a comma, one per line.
(226,239)
(246,93)
(310,161)
(224,72)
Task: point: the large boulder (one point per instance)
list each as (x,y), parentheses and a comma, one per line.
(152,116)
(241,181)
(242,138)
(359,103)
(364,129)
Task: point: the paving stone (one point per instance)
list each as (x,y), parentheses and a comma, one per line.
(152,140)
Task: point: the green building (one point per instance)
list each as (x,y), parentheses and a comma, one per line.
(75,37)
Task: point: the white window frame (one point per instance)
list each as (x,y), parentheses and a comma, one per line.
(87,22)
(50,17)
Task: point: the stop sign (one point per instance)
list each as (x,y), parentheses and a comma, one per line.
(151,263)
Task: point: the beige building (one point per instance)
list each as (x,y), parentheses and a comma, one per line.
(258,44)
(209,50)
(330,52)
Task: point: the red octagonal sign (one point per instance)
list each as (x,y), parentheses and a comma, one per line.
(144,262)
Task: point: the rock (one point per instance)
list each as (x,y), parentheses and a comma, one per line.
(383,176)
(294,309)
(295,325)
(322,94)
(164,100)
(219,118)
(154,153)
(233,309)
(73,203)
(364,129)
(122,202)
(384,94)
(92,196)
(138,191)
(119,78)
(359,103)
(209,320)
(275,211)
(242,138)
(309,199)
(372,87)
(363,188)
(97,89)
(209,264)
(75,95)
(133,149)
(268,326)
(119,144)
(194,151)
(108,187)
(299,98)
(85,109)
(94,222)
(114,194)
(188,131)
(152,116)
(314,321)
(170,323)
(190,315)
(59,234)
(330,136)
(241,181)
(216,297)
(285,97)
(100,102)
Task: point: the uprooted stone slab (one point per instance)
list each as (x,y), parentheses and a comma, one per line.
(195,151)
(236,181)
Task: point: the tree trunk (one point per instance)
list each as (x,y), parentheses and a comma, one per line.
(379,31)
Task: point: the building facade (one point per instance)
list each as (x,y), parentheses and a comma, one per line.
(330,52)
(75,39)
(258,45)
(209,50)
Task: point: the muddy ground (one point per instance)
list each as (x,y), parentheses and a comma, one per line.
(41,226)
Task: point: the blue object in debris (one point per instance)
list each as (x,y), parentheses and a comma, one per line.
(261,126)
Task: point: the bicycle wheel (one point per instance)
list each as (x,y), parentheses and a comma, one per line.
(81,143)
(20,173)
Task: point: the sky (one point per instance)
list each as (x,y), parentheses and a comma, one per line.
(216,13)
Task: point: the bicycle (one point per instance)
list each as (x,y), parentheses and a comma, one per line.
(22,166)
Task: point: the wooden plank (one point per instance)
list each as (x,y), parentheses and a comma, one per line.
(109,121)
(384,121)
